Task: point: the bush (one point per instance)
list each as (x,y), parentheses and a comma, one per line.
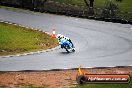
(110,10)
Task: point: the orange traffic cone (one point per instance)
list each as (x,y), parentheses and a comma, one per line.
(81,72)
(53,33)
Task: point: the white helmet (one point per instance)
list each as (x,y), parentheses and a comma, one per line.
(58,36)
(62,36)
(66,38)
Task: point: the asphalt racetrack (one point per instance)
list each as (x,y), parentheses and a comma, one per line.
(98,43)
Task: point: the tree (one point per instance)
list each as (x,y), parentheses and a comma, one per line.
(90,7)
(119,0)
(91,3)
(86,2)
(110,10)
(45,1)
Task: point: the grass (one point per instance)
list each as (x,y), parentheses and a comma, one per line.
(73,2)
(8,7)
(125,5)
(27,85)
(16,9)
(30,86)
(15,39)
(120,85)
(3,86)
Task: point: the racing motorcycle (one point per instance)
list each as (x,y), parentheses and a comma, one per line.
(69,47)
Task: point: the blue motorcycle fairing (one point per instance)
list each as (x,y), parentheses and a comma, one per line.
(65,43)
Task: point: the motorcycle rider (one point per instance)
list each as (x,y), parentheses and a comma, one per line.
(60,36)
(62,39)
(68,39)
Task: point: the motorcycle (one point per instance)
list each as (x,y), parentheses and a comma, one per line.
(68,46)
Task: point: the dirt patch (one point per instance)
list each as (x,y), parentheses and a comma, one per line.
(52,79)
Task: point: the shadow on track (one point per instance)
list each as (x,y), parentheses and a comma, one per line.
(66,53)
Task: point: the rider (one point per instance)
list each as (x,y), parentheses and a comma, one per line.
(68,39)
(62,39)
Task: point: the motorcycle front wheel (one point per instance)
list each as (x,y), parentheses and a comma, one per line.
(73,50)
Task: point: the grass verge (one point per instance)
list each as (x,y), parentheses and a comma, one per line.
(21,85)
(15,39)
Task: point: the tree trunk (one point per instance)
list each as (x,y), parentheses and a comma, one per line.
(45,1)
(22,3)
(32,5)
(91,3)
(119,0)
(86,3)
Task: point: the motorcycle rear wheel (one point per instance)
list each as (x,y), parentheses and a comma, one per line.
(67,51)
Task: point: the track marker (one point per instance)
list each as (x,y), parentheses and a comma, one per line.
(53,33)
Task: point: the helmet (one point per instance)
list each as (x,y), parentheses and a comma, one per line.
(62,36)
(58,36)
(66,38)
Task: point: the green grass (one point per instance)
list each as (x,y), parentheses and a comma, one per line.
(15,39)
(30,86)
(73,2)
(121,85)
(27,85)
(3,86)
(125,5)
(17,9)
(8,8)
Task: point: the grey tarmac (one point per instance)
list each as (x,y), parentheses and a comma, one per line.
(97,43)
